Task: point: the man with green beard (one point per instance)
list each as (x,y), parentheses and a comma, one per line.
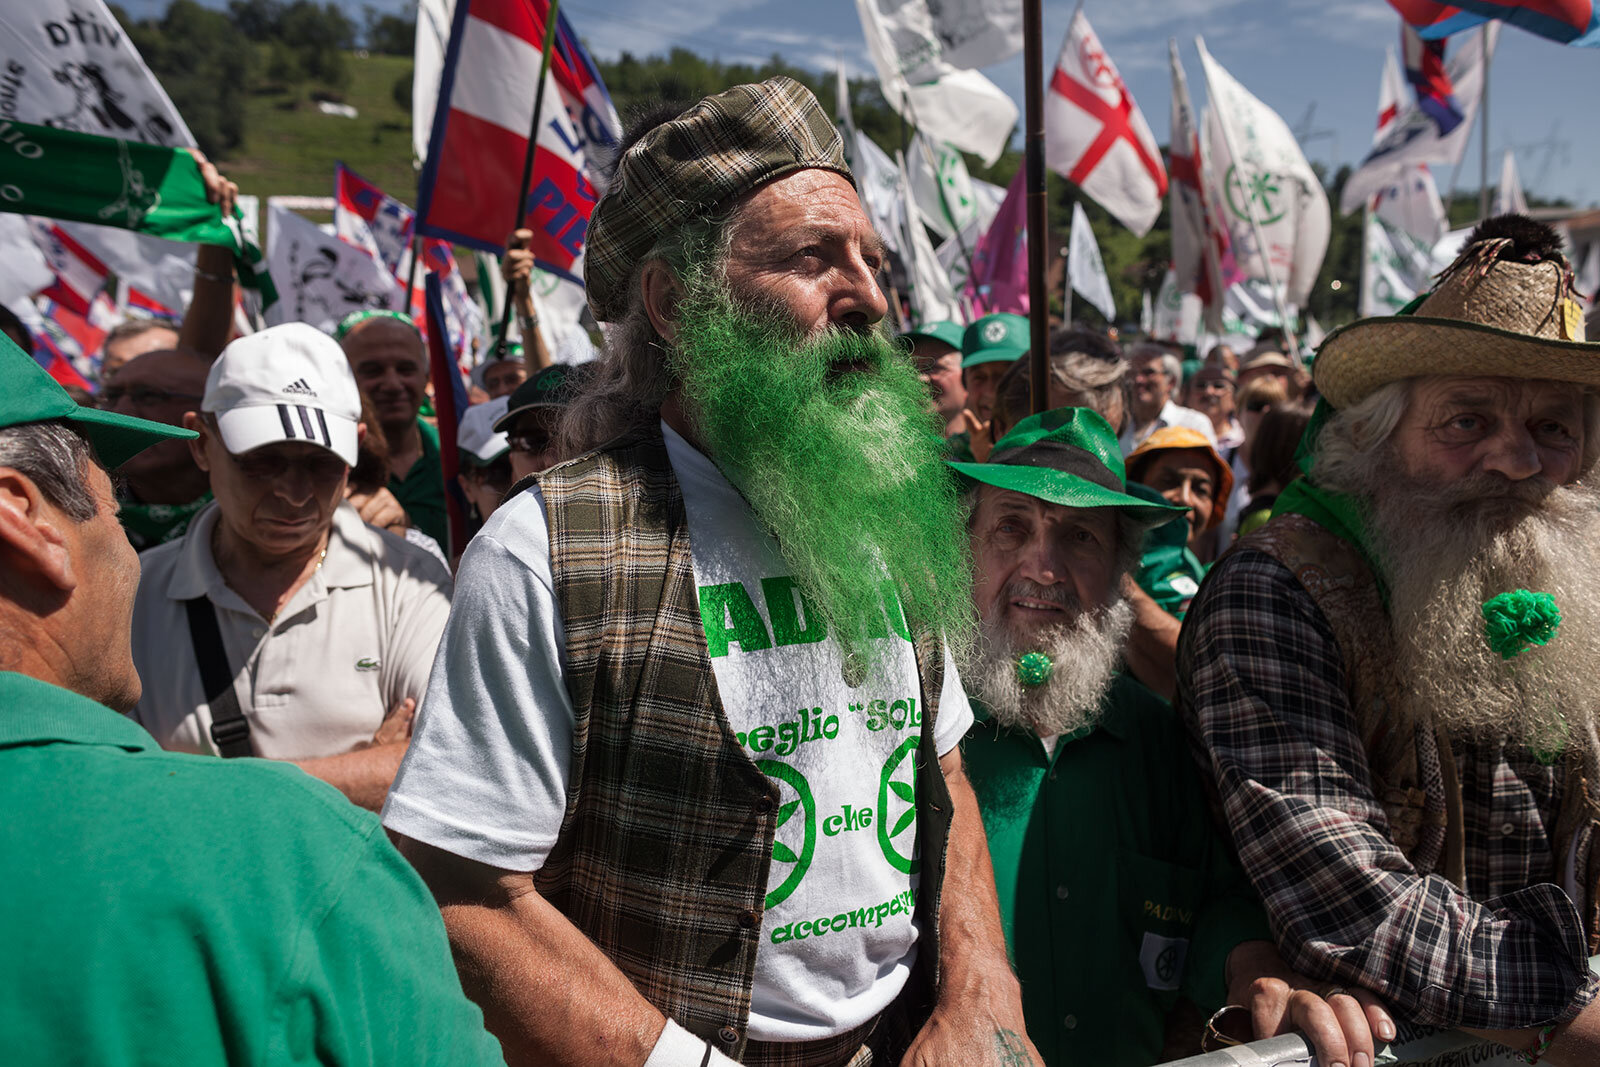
(686,780)
(1117,895)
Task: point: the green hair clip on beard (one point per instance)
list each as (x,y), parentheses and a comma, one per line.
(832,443)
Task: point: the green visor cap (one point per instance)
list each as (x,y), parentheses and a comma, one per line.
(995,338)
(949,333)
(31,395)
(1069,457)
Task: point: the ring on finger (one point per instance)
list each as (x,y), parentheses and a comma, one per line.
(1336,991)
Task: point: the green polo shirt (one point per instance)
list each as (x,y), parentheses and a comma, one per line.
(421,491)
(1168,570)
(164,908)
(1116,893)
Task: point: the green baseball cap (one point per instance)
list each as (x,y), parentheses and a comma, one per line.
(1070,457)
(949,333)
(995,338)
(31,395)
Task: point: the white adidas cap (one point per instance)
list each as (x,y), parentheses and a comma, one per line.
(286,383)
(476,435)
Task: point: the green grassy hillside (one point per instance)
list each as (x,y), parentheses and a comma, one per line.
(291,147)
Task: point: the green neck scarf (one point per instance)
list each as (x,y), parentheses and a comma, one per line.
(148,525)
(1338,513)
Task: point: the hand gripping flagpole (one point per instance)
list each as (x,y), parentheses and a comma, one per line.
(1038,295)
(550,18)
(1249,205)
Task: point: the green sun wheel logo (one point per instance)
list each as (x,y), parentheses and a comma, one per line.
(791,784)
(897,807)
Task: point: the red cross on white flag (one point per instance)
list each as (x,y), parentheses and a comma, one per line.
(1095,135)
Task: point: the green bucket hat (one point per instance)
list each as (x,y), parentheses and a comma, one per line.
(949,333)
(1003,337)
(1069,457)
(720,148)
(31,395)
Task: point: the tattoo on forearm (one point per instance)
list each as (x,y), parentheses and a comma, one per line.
(1011,1050)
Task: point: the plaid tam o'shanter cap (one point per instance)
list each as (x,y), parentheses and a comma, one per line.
(720,148)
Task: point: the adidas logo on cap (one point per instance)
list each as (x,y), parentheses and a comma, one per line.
(299,386)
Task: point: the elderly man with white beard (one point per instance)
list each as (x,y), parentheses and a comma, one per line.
(1394,680)
(1117,896)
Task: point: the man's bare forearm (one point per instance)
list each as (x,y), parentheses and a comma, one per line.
(363,775)
(208,320)
(1152,648)
(547,992)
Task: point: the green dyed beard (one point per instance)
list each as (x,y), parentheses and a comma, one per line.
(846,470)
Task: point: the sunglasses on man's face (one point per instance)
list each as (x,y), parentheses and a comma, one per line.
(141,396)
(528,444)
(1258,406)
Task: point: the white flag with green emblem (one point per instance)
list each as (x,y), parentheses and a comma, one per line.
(1085,271)
(932,299)
(1268,178)
(947,102)
(1395,267)
(946,197)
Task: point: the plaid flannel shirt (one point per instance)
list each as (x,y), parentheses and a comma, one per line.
(1262,682)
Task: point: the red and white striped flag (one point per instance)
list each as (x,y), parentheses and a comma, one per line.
(79,273)
(1096,137)
(1202,257)
(468,191)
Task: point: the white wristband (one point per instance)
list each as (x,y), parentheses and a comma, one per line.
(677,1047)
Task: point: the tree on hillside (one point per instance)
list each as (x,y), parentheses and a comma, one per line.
(390,35)
(204,63)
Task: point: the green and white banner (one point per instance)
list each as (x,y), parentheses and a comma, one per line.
(78,177)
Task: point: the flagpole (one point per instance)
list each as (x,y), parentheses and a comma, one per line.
(1249,205)
(550,19)
(1483,107)
(1066,290)
(1038,295)
(411,274)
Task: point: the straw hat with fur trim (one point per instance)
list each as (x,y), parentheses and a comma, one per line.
(1505,308)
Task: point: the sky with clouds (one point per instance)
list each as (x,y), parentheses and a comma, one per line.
(1316,62)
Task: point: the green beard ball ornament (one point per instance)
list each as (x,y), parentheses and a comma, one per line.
(1516,621)
(1033,669)
(1513,623)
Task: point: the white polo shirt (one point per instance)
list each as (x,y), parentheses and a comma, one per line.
(357,638)
(1171,415)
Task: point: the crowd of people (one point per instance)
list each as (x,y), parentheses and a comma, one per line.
(802,696)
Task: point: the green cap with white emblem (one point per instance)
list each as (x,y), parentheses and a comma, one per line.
(999,338)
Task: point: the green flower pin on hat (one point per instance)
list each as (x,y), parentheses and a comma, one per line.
(1001,338)
(1068,457)
(31,395)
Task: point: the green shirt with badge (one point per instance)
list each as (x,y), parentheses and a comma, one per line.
(1168,570)
(164,908)
(421,491)
(1116,893)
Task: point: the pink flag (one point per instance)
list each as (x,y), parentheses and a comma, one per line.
(999,278)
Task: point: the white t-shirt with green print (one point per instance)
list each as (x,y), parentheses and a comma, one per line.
(837,940)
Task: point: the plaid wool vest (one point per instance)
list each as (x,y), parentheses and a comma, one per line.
(663,851)
(1414,772)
